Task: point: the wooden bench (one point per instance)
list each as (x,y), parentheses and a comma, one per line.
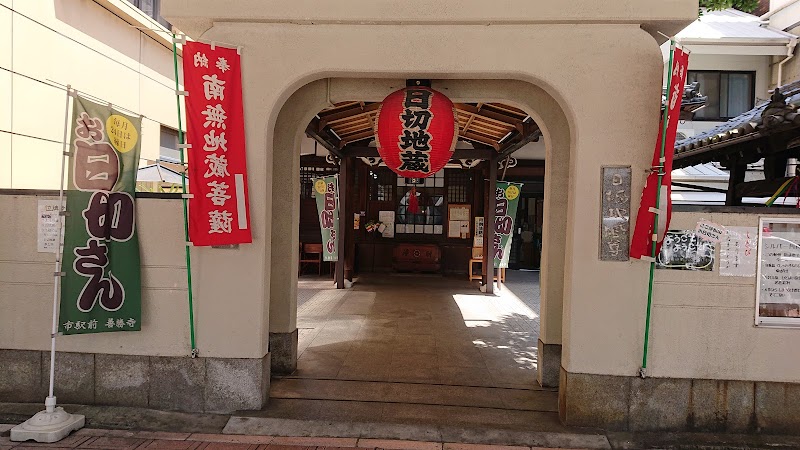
(417,258)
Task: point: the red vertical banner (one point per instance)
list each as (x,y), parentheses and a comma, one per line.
(641,244)
(219,212)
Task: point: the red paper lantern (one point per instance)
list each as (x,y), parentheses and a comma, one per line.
(416,131)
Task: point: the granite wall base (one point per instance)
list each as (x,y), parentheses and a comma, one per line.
(220,385)
(283,348)
(673,404)
(548,366)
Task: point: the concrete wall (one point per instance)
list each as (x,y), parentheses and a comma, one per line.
(26,285)
(703,323)
(91,45)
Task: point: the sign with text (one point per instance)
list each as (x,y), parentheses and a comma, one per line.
(326,192)
(779,271)
(709,231)
(101,287)
(219,212)
(615,226)
(416,131)
(684,250)
(507,200)
(737,252)
(48,228)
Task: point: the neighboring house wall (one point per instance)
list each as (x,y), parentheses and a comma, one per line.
(92,46)
(748,63)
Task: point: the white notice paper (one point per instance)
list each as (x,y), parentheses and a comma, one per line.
(47,224)
(709,231)
(738,252)
(387,218)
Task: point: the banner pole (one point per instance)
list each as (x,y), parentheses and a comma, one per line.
(53,424)
(51,404)
(665,116)
(195,351)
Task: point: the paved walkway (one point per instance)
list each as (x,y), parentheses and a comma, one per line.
(420,329)
(97,439)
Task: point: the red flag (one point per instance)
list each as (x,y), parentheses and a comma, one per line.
(219,212)
(642,242)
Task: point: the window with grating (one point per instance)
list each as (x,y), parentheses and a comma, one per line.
(430,198)
(458,185)
(382,184)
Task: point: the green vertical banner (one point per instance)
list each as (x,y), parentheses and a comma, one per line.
(101,285)
(326,191)
(507,199)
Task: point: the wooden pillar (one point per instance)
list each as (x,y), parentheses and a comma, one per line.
(349,219)
(343,192)
(737,173)
(488,226)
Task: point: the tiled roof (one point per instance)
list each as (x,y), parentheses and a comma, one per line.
(779,111)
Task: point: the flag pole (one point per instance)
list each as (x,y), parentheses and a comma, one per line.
(53,424)
(661,173)
(184,195)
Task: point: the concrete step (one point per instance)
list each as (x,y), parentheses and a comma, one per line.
(542,400)
(419,422)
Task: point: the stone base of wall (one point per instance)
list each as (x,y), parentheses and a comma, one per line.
(220,385)
(674,404)
(548,367)
(283,348)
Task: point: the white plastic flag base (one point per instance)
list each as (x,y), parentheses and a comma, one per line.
(48,426)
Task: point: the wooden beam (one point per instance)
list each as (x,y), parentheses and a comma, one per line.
(511,147)
(483,140)
(325,120)
(488,114)
(467,153)
(356,137)
(329,143)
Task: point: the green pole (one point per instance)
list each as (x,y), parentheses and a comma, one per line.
(660,167)
(183,200)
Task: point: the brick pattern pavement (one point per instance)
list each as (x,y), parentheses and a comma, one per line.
(95,439)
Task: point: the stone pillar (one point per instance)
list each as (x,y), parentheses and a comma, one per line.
(283,348)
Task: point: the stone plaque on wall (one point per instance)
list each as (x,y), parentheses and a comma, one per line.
(615,213)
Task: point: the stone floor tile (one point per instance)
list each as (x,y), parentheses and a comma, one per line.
(315,441)
(454,446)
(5,427)
(413,374)
(105,442)
(417,360)
(159,444)
(91,432)
(225,446)
(230,438)
(390,444)
(70,441)
(162,435)
(364,372)
(287,447)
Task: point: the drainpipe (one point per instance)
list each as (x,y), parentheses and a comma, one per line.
(789,54)
(777,10)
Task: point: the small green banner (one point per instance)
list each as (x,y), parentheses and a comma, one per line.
(507,199)
(326,191)
(101,288)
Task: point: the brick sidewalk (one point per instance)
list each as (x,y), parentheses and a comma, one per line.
(96,439)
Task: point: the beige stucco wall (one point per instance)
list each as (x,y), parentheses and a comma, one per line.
(26,285)
(82,43)
(703,323)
